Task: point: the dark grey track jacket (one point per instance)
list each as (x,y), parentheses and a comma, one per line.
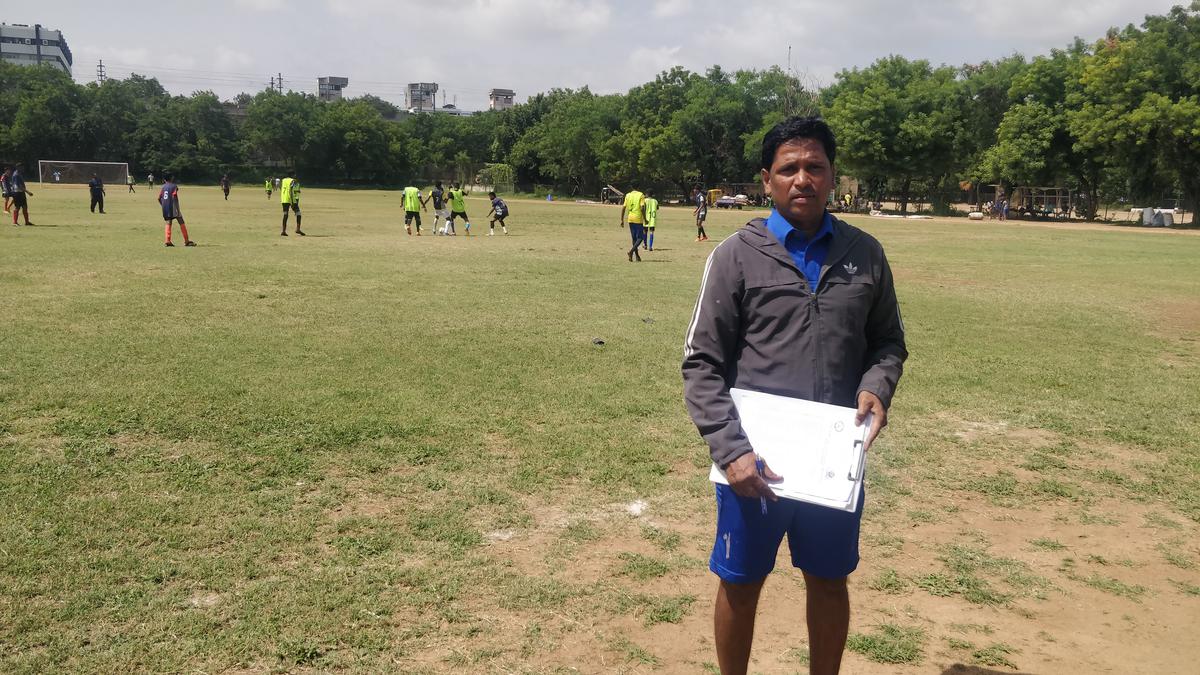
(758,326)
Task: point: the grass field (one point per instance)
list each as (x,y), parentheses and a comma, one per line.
(368,452)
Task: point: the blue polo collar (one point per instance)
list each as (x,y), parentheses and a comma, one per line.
(782,229)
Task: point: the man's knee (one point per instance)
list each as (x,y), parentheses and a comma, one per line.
(741,595)
(826,586)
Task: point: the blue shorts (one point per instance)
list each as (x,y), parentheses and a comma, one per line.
(637,232)
(823,541)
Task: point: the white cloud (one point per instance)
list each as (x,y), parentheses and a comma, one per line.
(499,19)
(261,5)
(666,9)
(654,59)
(534,45)
(226,57)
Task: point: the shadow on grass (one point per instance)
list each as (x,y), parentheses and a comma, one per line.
(960,669)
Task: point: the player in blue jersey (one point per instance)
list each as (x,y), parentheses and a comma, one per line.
(498,213)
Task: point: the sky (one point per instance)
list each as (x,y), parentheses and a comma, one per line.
(531,46)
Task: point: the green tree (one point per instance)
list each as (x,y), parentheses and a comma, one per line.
(1139,103)
(38,109)
(566,143)
(110,114)
(277,124)
(192,137)
(1022,154)
(350,140)
(983,98)
(895,120)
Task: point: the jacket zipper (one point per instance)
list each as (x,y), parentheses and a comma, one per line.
(820,376)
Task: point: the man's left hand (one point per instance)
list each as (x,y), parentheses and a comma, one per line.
(869,403)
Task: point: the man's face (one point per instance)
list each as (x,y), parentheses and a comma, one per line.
(799,181)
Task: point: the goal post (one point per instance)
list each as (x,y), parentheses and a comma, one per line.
(51,171)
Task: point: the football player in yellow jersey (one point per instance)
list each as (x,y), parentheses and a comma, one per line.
(458,207)
(635,207)
(289,196)
(651,221)
(413,203)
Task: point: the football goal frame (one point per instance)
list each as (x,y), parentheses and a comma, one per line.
(70,172)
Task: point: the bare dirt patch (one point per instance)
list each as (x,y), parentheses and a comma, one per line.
(1086,585)
(1178,318)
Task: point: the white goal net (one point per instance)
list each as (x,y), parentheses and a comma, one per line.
(51,171)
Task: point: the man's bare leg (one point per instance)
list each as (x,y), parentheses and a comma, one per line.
(733,624)
(828,602)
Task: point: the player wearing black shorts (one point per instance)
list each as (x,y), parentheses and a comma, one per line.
(96,188)
(413,203)
(438,196)
(498,213)
(458,207)
(18,192)
(701,213)
(289,196)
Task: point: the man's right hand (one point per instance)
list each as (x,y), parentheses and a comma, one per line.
(745,480)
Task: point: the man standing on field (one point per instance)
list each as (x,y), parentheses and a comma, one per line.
(438,195)
(701,213)
(458,207)
(413,203)
(289,197)
(129,182)
(168,197)
(20,195)
(800,304)
(651,221)
(96,188)
(6,186)
(635,207)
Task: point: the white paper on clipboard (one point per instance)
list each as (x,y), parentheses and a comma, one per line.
(816,447)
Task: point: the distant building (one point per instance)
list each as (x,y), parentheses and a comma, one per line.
(330,88)
(448,109)
(501,99)
(422,96)
(30,46)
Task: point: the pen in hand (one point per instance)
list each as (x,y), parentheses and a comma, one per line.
(758,464)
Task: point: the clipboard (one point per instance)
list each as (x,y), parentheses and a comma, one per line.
(816,447)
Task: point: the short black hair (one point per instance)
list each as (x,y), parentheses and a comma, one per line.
(491,194)
(168,176)
(794,128)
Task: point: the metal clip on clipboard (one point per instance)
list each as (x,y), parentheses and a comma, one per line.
(856,471)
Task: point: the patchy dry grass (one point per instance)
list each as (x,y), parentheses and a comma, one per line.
(364,452)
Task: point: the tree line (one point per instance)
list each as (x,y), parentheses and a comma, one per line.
(1117,118)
